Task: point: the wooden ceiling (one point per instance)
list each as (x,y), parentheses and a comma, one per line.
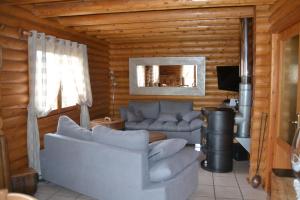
(136,20)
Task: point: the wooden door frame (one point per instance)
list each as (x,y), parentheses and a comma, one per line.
(276,63)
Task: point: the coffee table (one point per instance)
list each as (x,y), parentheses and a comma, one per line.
(115,123)
(155,136)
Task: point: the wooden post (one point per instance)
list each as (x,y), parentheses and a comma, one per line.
(4,167)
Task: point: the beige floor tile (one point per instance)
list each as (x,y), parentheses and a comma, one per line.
(61,198)
(204,190)
(205,180)
(67,193)
(42,196)
(228,192)
(228,174)
(83,197)
(253,194)
(202,198)
(242,181)
(225,181)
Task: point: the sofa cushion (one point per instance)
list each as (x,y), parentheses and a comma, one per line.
(143,125)
(196,124)
(123,113)
(169,126)
(191,115)
(183,126)
(178,107)
(134,140)
(167,117)
(167,168)
(67,127)
(156,126)
(166,148)
(133,116)
(149,109)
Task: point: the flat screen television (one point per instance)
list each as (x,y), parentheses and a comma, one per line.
(228,78)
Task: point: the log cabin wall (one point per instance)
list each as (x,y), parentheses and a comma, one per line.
(165,28)
(220,47)
(261,87)
(14,79)
(219,50)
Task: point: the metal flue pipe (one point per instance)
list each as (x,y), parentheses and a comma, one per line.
(242,118)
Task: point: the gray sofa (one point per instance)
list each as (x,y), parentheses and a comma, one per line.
(108,164)
(151,119)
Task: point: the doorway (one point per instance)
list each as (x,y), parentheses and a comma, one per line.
(288,95)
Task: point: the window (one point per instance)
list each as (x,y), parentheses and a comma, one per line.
(188,74)
(140,75)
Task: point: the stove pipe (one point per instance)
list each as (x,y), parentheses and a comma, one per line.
(242,118)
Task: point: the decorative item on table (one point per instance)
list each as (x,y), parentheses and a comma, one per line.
(295,160)
(113,84)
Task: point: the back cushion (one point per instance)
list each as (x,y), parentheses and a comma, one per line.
(149,110)
(67,127)
(178,107)
(134,140)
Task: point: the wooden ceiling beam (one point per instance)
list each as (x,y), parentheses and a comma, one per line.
(170,30)
(165,24)
(169,34)
(175,44)
(177,38)
(154,16)
(23,2)
(118,6)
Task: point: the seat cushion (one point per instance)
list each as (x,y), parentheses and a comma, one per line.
(143,125)
(169,126)
(196,124)
(133,116)
(167,168)
(67,127)
(167,117)
(156,126)
(178,107)
(191,115)
(149,110)
(165,148)
(183,126)
(134,140)
(162,126)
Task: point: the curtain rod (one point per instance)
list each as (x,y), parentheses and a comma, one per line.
(23,33)
(26,33)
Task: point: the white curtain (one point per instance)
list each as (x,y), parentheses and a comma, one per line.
(80,71)
(53,63)
(43,89)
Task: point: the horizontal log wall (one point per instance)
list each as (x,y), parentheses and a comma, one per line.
(261,87)
(14,82)
(217,50)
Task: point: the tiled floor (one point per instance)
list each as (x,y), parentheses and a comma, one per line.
(226,186)
(212,186)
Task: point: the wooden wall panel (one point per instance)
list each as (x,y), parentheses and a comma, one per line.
(284,13)
(261,87)
(217,52)
(14,82)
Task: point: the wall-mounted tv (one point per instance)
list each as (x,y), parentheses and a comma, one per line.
(228,78)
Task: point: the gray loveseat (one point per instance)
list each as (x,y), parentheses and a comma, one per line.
(155,117)
(109,164)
